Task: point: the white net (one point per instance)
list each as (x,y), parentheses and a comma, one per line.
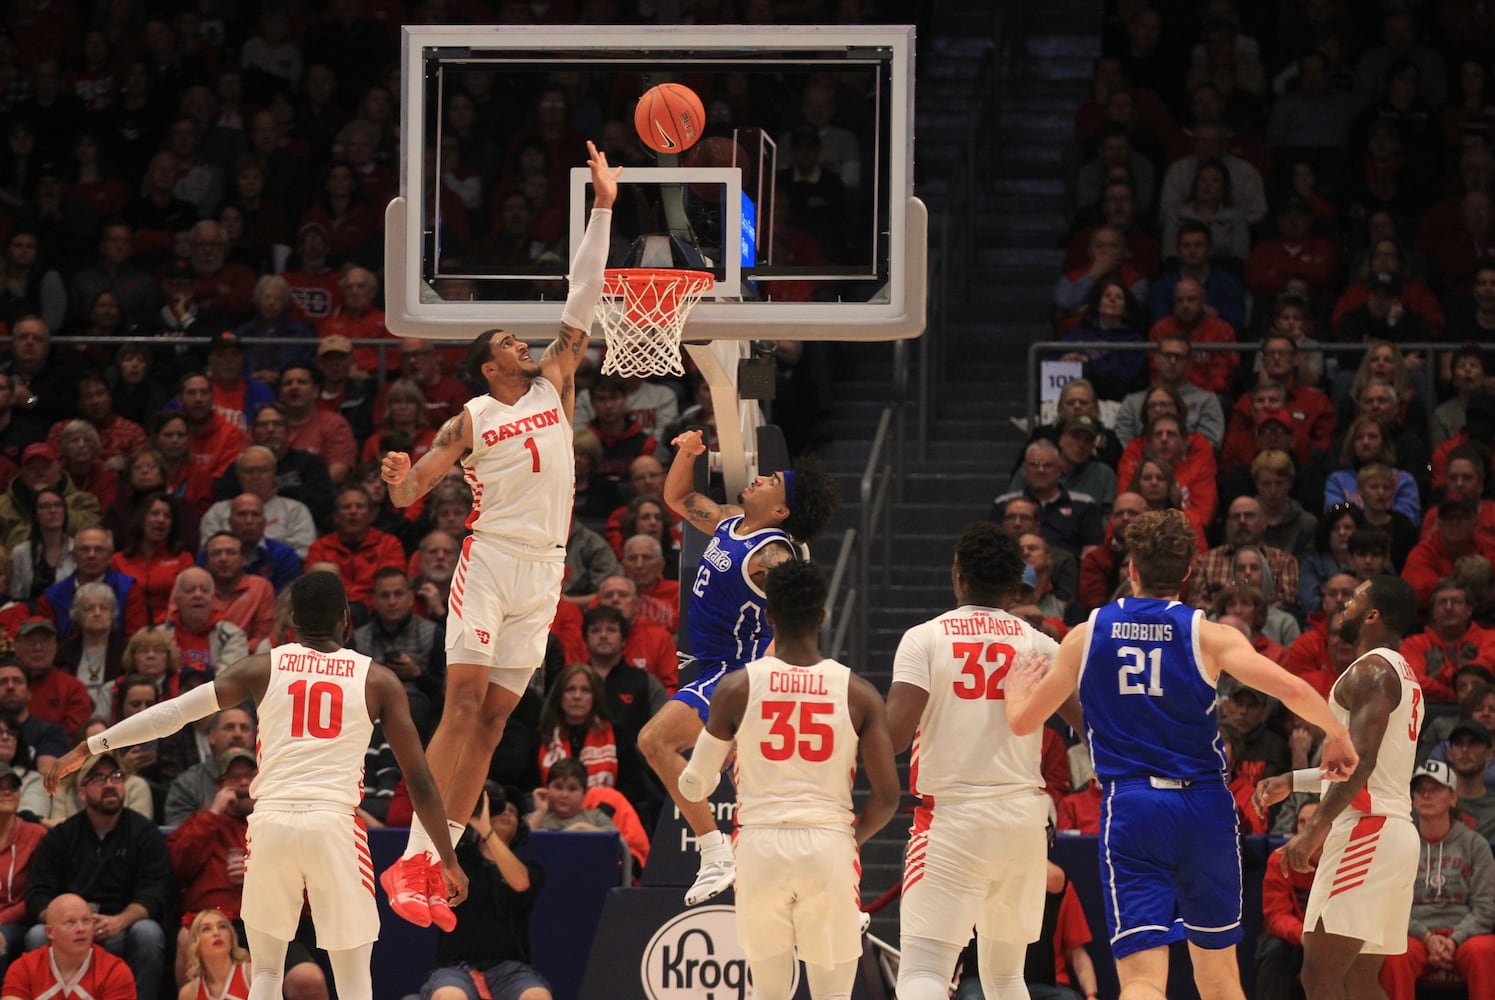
(642,312)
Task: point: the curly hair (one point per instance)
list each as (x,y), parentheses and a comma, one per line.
(815,501)
(990,562)
(796,593)
(1162,546)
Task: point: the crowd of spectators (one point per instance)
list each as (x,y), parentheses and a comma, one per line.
(178,184)
(1281,215)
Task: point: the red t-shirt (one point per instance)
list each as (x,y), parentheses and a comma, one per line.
(33,976)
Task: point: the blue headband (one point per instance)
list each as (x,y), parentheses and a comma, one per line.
(791,489)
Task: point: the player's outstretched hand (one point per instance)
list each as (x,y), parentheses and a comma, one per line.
(690,443)
(394,468)
(456,883)
(64,766)
(604,178)
(1339,758)
(1028,668)
(1270,791)
(1298,854)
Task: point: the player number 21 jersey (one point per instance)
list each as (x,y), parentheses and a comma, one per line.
(314,729)
(522,472)
(796,746)
(963,746)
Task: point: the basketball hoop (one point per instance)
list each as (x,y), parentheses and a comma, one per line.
(642,311)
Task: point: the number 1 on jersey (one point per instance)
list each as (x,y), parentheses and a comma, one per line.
(1150,660)
(534,453)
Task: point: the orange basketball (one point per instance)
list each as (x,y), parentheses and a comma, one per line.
(669,118)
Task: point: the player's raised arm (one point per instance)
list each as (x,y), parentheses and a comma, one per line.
(389,706)
(562,357)
(703,513)
(407,484)
(244,680)
(1228,650)
(875,747)
(1035,689)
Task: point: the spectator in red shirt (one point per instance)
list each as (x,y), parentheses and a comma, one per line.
(1295,252)
(659,598)
(1118,209)
(1314,416)
(356,547)
(316,291)
(357,319)
(214,442)
(207,643)
(222,286)
(20,838)
(445,396)
(1451,641)
(1192,460)
(70,956)
(311,428)
(403,425)
(247,601)
(117,436)
(1212,371)
(56,696)
(646,645)
(1284,903)
(1433,559)
(153,553)
(208,848)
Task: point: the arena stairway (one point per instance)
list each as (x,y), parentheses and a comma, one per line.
(1018,212)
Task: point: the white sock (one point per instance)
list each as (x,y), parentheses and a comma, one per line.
(419,842)
(714,846)
(456,830)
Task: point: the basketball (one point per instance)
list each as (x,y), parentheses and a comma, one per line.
(669,118)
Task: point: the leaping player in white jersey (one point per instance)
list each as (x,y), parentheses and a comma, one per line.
(799,721)
(318,703)
(979,858)
(1361,898)
(514,443)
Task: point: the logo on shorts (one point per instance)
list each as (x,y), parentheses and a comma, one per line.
(483,635)
(696,954)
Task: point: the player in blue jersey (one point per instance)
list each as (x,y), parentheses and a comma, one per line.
(1146,669)
(726,625)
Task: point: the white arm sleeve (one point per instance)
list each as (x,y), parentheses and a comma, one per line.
(586,271)
(1308,779)
(704,768)
(158,721)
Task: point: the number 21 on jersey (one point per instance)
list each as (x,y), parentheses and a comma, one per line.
(1136,661)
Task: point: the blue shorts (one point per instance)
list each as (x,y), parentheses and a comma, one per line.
(697,693)
(505,981)
(1170,865)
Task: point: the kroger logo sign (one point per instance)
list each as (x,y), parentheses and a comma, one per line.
(695,956)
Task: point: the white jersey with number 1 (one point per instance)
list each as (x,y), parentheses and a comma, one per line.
(314,729)
(522,472)
(963,747)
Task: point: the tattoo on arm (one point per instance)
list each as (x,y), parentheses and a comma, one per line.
(774,555)
(412,489)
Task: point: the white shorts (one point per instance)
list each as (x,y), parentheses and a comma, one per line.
(799,887)
(1363,886)
(501,608)
(976,863)
(322,853)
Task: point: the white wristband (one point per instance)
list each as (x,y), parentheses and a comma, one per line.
(1308,779)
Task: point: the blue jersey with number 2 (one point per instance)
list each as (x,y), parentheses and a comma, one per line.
(1149,705)
(726,621)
